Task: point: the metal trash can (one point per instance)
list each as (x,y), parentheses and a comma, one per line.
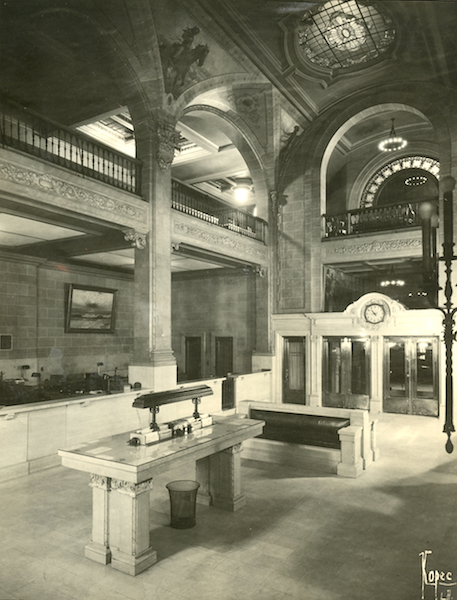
(183,500)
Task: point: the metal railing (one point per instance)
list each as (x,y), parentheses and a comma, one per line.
(192,202)
(369,220)
(25,131)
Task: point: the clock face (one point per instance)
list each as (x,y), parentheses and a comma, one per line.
(374,313)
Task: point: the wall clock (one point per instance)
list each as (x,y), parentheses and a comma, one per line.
(374,313)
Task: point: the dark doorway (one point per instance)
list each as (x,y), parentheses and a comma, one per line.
(193,358)
(224,356)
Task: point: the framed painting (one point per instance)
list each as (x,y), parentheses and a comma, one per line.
(90,309)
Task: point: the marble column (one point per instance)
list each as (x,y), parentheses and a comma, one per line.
(154,365)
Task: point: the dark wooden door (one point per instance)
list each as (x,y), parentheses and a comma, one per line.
(224,356)
(193,357)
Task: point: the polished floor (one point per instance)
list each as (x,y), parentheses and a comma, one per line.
(302,535)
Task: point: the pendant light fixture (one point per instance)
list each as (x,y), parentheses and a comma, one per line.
(241,188)
(393,142)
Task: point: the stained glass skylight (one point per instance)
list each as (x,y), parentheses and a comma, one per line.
(344,33)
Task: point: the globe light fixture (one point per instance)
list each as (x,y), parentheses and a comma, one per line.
(393,142)
(241,188)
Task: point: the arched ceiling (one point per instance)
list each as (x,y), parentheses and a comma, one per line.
(58,59)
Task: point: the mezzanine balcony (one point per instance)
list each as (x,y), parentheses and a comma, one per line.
(392,217)
(30,133)
(201,206)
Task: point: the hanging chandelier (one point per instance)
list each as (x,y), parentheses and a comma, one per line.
(416,180)
(391,280)
(393,142)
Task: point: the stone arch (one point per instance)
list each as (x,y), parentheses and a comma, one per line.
(347,125)
(250,149)
(306,169)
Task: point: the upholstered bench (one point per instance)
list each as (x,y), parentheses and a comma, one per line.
(313,430)
(325,439)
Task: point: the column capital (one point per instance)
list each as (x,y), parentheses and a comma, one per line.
(131,489)
(99,481)
(137,239)
(167,141)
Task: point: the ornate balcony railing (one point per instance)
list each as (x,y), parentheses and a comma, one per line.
(25,131)
(369,220)
(204,207)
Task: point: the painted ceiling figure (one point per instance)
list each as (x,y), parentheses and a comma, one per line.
(178,57)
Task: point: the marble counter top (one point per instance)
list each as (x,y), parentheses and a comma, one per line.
(114,457)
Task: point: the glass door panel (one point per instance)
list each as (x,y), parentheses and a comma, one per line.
(425,399)
(294,358)
(410,376)
(345,372)
(359,392)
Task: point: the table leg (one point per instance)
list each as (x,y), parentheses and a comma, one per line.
(129,527)
(220,477)
(98,548)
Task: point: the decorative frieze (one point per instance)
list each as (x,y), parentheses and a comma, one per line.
(377,246)
(219,240)
(44,182)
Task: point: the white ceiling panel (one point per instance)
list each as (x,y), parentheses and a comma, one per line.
(15,231)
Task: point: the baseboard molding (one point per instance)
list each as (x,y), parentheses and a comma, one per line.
(29,466)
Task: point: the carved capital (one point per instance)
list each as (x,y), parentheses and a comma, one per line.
(233,449)
(131,489)
(137,239)
(99,481)
(167,141)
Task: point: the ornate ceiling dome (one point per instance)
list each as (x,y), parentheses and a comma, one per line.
(344,33)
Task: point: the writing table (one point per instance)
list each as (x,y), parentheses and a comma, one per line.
(121,477)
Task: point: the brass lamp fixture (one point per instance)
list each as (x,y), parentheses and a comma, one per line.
(393,142)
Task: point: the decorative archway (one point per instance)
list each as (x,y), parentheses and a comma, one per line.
(375,183)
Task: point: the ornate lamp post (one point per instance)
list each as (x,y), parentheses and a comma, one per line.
(429,223)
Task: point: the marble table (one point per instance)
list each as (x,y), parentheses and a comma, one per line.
(121,477)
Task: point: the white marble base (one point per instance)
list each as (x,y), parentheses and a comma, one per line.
(345,470)
(132,565)
(98,553)
(230,504)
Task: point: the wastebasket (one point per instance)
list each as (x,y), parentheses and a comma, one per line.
(183,498)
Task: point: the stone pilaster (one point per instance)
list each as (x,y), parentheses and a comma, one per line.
(153,364)
(98,548)
(128,538)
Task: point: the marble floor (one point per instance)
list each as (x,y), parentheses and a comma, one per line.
(302,535)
